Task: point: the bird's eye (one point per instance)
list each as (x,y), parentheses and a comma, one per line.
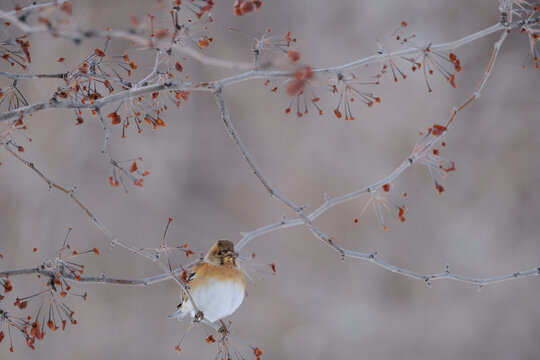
(219,253)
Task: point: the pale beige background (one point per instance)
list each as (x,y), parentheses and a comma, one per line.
(317,307)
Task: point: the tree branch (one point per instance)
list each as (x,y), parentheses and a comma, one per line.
(32,76)
(102,279)
(250,75)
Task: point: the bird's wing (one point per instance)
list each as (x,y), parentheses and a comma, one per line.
(191,275)
(193,272)
(190,278)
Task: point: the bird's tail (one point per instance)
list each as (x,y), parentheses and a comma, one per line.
(178,314)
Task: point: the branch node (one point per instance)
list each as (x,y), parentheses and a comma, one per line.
(114,242)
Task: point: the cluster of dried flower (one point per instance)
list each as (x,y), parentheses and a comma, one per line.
(243,7)
(52,312)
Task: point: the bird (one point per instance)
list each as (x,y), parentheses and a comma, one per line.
(216,284)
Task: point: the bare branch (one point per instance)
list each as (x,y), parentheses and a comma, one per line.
(32,76)
(102,279)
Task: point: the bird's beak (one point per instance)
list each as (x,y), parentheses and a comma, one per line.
(230,255)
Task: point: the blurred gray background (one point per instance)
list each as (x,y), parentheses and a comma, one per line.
(317,307)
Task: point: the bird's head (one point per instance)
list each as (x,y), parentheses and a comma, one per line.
(222,253)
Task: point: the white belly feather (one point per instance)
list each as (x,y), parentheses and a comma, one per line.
(216,299)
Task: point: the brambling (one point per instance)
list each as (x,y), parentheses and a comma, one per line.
(216,285)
